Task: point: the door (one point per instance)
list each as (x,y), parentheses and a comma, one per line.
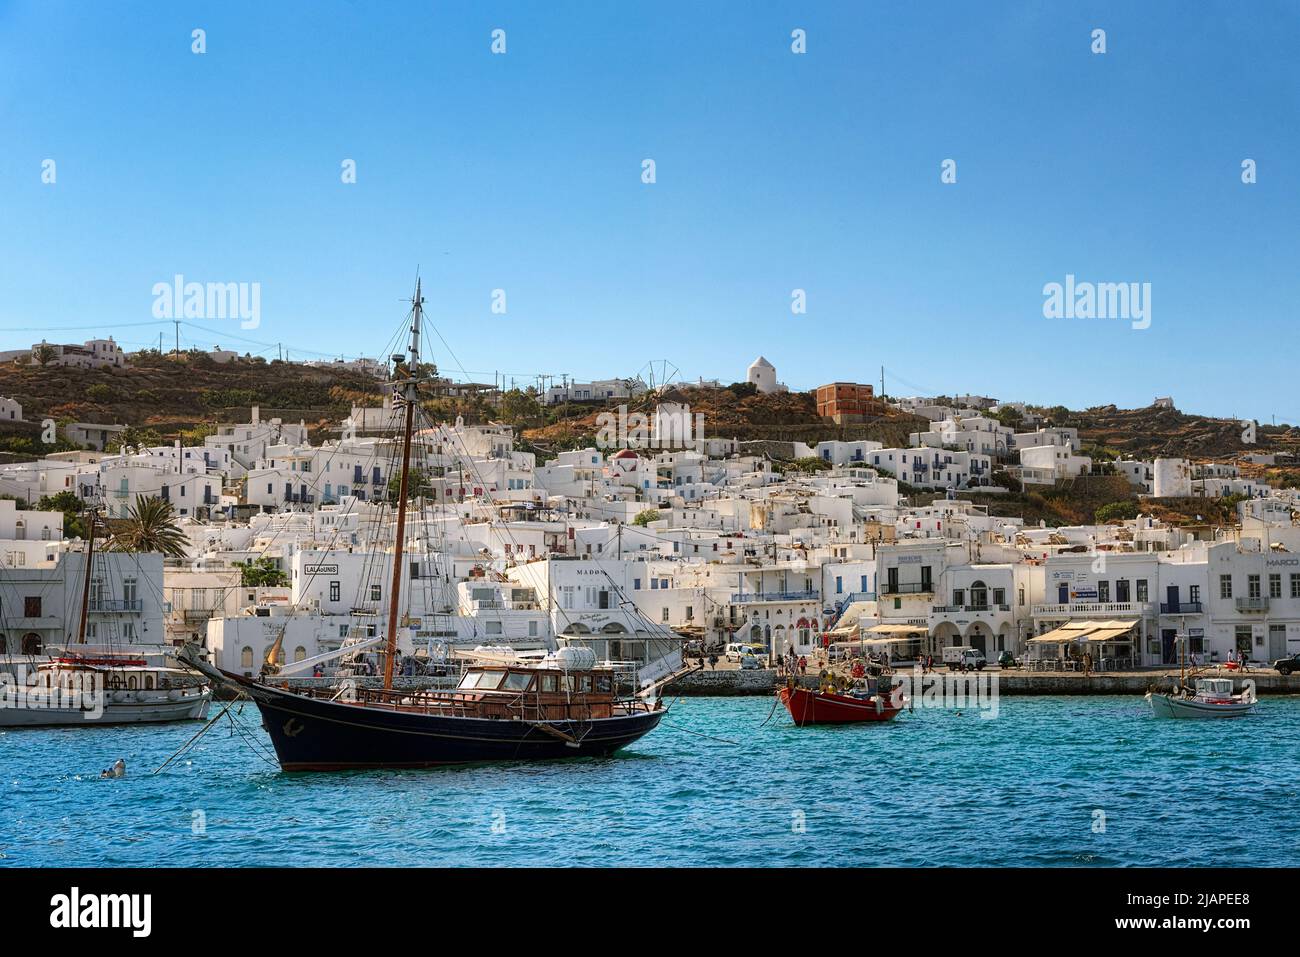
(1063,594)
(1168,647)
(1171,598)
(1276,642)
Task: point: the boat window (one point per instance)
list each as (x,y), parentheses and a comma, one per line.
(584,683)
(148,682)
(490,680)
(603,684)
(549,683)
(469,679)
(130,681)
(518,681)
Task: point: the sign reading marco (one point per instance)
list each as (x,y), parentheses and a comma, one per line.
(670,426)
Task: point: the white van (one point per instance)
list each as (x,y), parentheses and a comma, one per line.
(961,658)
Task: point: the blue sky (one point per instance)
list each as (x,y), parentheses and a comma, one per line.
(775,172)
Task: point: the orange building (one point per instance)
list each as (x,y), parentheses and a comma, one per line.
(843,401)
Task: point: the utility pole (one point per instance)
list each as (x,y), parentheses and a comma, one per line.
(177,324)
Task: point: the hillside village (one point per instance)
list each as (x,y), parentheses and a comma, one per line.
(633,518)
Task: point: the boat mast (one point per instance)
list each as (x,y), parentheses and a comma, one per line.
(410,395)
(85,585)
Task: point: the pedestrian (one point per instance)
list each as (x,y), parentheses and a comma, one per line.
(713,662)
(803,664)
(1087,664)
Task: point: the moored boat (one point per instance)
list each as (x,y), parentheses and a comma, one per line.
(864,702)
(1212,698)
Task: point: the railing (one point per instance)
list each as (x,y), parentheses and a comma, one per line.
(952,609)
(1180,608)
(907,588)
(116,604)
(1093,608)
(1252,604)
(740,598)
(198,614)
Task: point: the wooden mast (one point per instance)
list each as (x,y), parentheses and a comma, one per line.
(85,585)
(410,393)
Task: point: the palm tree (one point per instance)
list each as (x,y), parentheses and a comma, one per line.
(150,526)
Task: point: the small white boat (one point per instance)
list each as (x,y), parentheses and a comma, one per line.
(1213,698)
(74,691)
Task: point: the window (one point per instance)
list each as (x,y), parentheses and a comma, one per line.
(532,629)
(1252,586)
(999,596)
(1121,590)
(1295,585)
(690,612)
(958,597)
(32,606)
(1020,595)
(494,627)
(375,592)
(246,658)
(1274,586)
(1142,589)
(1194,593)
(334,591)
(665,614)
(636,584)
(1225,586)
(1103,591)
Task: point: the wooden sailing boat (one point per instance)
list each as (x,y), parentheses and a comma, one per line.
(562,705)
(78,690)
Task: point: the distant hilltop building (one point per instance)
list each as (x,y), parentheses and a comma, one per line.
(11,410)
(601,389)
(845,401)
(763,375)
(1163,402)
(92,354)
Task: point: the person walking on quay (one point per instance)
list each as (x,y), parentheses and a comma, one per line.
(713,662)
(803,664)
(1087,664)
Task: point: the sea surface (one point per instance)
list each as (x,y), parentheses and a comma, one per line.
(1051,781)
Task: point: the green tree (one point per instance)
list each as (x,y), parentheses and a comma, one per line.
(150,526)
(99,392)
(71,507)
(646,516)
(810,463)
(261,572)
(1117,511)
(520,407)
(44,354)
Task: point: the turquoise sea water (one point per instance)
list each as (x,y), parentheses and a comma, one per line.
(931,788)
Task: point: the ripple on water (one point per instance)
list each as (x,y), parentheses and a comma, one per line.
(1061,782)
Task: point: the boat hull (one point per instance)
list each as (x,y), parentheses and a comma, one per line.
(1167,706)
(315,734)
(816,707)
(37,714)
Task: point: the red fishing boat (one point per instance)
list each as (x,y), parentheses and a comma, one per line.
(865,703)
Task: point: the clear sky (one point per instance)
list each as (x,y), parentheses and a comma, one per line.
(774,171)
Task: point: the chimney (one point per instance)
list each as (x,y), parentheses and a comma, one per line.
(256,415)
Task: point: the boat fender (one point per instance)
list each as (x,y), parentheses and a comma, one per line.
(174,695)
(879,707)
(119,696)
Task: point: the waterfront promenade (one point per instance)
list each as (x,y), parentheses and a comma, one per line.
(728,679)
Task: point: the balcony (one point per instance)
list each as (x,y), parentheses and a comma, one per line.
(198,614)
(742,598)
(958,609)
(1252,604)
(1181,608)
(907,588)
(116,604)
(1104,609)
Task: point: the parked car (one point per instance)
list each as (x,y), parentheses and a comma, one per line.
(1287,665)
(750,662)
(1007,660)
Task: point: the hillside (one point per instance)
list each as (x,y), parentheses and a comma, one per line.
(165,396)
